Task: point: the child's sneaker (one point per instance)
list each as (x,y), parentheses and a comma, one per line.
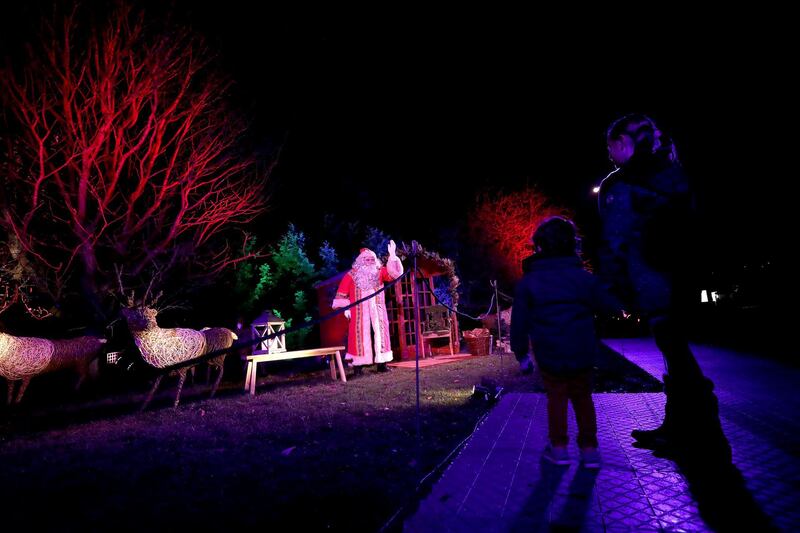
(557,455)
(590,458)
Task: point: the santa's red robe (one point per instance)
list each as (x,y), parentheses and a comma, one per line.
(368,317)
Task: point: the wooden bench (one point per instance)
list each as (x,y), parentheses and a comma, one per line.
(252,362)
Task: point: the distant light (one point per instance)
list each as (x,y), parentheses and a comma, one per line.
(704,296)
(596,190)
(714,296)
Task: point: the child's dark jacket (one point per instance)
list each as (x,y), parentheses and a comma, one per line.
(554,307)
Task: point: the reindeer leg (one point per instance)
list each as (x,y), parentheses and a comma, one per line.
(191,374)
(208,372)
(22,387)
(152,392)
(81,377)
(221,365)
(10,384)
(182,374)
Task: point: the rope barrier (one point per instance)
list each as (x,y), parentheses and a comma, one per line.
(478,318)
(506,296)
(252,342)
(299,327)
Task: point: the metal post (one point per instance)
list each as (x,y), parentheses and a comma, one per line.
(499,329)
(418,337)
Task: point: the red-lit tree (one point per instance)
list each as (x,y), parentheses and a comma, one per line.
(120,153)
(501,225)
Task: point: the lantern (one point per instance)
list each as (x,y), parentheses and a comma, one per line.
(267,324)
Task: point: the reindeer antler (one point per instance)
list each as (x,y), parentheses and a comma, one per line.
(8,297)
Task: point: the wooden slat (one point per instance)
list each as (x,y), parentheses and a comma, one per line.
(294,355)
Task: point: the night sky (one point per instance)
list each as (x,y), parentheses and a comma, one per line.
(397,117)
(412,112)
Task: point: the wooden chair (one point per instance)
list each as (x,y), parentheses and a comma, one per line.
(436,323)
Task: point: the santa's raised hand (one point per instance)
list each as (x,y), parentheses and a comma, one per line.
(392,248)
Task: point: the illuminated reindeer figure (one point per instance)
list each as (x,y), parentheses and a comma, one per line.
(166,347)
(23,358)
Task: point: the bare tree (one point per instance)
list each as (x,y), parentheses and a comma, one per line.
(120,150)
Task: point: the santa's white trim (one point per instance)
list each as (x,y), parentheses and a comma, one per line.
(340,302)
(395,267)
(384,357)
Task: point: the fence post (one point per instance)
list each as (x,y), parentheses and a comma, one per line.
(499,327)
(418,340)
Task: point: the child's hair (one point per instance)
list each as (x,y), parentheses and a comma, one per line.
(556,236)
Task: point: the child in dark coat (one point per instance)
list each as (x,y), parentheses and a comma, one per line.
(554,308)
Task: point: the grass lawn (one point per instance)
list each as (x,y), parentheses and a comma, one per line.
(306,452)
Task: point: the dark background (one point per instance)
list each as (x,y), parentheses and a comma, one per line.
(389,116)
(397,117)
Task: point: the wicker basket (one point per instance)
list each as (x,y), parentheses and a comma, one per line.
(477,341)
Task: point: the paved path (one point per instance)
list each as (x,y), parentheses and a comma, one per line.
(499,482)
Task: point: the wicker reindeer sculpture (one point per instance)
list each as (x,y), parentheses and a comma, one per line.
(165,347)
(22,358)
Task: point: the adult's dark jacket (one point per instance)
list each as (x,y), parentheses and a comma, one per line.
(648,205)
(554,307)
(649,230)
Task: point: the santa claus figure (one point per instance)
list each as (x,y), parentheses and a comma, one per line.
(368,333)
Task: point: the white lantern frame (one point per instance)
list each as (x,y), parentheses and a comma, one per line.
(268,324)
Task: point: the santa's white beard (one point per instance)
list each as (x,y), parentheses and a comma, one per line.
(367,278)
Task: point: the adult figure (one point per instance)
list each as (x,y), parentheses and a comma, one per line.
(646,207)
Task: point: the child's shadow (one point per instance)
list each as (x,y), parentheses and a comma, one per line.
(579,499)
(576,505)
